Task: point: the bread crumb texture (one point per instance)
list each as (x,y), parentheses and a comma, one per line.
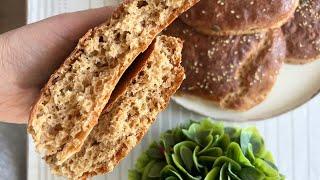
(123,125)
(75,95)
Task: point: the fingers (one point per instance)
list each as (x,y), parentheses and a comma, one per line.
(72,26)
(36,50)
(33,52)
(39,48)
(68,26)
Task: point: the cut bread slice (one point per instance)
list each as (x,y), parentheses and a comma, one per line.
(142,93)
(71,102)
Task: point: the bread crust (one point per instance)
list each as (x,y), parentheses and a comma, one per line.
(74,145)
(302,34)
(233,72)
(235,17)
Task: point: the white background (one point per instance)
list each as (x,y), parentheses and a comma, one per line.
(294,138)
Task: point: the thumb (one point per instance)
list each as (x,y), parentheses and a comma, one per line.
(42,46)
(73,25)
(69,26)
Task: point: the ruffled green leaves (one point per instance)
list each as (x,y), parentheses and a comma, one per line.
(170,173)
(251,136)
(234,152)
(155,151)
(182,158)
(209,151)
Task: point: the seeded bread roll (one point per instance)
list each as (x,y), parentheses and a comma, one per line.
(230,17)
(233,72)
(302,33)
(142,93)
(72,100)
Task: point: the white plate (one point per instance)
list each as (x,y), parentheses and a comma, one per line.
(296,85)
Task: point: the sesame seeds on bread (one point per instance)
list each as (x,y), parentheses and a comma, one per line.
(225,17)
(233,72)
(70,104)
(141,94)
(302,33)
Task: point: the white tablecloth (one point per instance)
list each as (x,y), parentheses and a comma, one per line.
(294,138)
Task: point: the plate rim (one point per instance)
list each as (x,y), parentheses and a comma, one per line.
(231,120)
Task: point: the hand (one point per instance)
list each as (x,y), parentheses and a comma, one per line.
(29,55)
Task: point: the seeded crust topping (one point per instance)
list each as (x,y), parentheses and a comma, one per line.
(234,72)
(302,33)
(226,17)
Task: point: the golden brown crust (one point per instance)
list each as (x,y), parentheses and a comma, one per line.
(74,144)
(230,17)
(235,72)
(302,34)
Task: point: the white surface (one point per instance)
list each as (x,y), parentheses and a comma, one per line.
(293,138)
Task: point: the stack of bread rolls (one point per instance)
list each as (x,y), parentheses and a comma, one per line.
(233,50)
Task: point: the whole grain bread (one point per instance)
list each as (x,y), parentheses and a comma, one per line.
(226,17)
(141,94)
(302,33)
(75,95)
(234,72)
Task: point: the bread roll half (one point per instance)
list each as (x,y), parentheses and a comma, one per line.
(74,97)
(142,93)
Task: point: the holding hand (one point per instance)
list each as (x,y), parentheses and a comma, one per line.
(29,55)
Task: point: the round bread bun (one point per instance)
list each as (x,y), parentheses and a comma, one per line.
(302,33)
(234,72)
(230,17)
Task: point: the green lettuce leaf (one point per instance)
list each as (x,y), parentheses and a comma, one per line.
(207,150)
